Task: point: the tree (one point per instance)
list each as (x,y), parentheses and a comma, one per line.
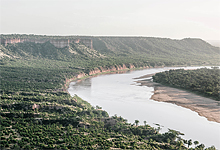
(189,143)
(98,107)
(136,122)
(179,144)
(201,146)
(196,143)
(185,141)
(145,123)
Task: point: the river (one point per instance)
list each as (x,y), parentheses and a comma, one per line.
(120,94)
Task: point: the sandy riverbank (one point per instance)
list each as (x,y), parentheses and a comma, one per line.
(203,106)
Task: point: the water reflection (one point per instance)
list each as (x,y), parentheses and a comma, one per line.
(83,83)
(119,94)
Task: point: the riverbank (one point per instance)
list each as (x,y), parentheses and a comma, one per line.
(205,107)
(111,70)
(100,71)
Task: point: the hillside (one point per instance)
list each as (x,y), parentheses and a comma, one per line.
(188,51)
(138,50)
(47,51)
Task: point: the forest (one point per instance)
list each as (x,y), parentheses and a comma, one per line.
(38,113)
(59,121)
(203,81)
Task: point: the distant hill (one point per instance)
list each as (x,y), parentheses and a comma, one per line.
(156,47)
(160,51)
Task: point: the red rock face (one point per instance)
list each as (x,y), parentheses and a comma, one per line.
(80,75)
(131,66)
(112,68)
(76,41)
(59,43)
(6,41)
(97,71)
(119,67)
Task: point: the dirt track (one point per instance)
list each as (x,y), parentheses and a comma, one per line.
(203,106)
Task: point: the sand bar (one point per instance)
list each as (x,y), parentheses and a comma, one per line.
(206,107)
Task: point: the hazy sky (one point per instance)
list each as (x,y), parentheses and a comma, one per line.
(174,19)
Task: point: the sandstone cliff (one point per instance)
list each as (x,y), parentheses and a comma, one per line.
(59,43)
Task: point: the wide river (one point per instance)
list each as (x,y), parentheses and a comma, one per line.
(120,94)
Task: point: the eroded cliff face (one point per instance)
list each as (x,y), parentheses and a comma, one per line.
(113,69)
(78,76)
(101,70)
(59,43)
(107,69)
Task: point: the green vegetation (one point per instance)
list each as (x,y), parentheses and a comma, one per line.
(140,51)
(37,113)
(62,122)
(204,81)
(158,51)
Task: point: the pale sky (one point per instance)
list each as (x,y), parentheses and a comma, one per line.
(174,19)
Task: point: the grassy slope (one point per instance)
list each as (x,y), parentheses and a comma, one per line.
(185,51)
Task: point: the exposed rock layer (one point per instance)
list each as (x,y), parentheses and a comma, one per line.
(100,70)
(59,43)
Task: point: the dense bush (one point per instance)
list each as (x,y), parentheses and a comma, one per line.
(205,81)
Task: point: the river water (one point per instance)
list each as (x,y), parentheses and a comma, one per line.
(120,94)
